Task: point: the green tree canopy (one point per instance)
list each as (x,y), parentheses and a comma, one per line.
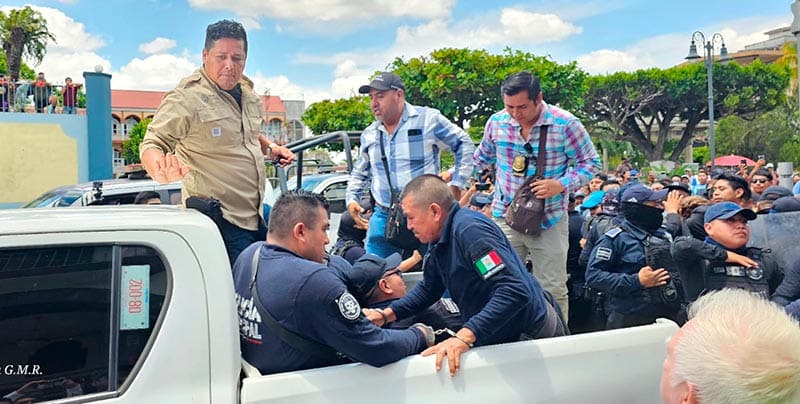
(349,114)
(464,84)
(768,134)
(130,147)
(23,33)
(641,107)
(25,72)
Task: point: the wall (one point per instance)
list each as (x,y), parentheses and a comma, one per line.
(39,152)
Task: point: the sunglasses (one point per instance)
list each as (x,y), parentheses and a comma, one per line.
(759,181)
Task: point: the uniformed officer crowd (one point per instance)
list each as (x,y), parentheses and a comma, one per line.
(640,253)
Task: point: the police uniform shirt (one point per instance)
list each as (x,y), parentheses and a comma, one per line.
(614,266)
(309,299)
(486,278)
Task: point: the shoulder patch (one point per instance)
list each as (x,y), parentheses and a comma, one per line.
(489,264)
(603,253)
(348,306)
(614,232)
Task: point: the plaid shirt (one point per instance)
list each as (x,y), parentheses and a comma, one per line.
(408,155)
(567,142)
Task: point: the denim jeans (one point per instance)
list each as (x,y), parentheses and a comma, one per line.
(68,110)
(237,239)
(376,242)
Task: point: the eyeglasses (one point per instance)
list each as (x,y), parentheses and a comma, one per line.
(395,271)
(759,181)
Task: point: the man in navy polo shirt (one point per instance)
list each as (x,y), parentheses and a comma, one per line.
(471,258)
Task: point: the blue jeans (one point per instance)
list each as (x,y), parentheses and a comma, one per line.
(68,110)
(237,239)
(376,242)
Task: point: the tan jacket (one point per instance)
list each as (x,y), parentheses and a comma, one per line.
(205,128)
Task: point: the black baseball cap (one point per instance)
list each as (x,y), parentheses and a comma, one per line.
(382,82)
(365,273)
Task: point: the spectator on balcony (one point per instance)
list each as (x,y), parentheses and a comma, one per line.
(41,91)
(70,96)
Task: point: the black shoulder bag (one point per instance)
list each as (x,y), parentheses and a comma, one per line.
(525,212)
(396,231)
(296,341)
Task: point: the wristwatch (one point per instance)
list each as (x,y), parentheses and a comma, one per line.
(269,149)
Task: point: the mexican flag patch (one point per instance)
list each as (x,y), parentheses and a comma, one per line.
(489,264)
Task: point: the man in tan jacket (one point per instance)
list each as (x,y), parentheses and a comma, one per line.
(207,132)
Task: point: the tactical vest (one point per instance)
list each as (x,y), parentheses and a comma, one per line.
(341,248)
(657,254)
(721,275)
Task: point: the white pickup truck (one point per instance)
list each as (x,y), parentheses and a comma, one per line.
(135,305)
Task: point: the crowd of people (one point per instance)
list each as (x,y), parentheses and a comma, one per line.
(483,281)
(15,96)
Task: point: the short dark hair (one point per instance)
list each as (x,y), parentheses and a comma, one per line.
(737,182)
(762,172)
(144,196)
(609,182)
(521,81)
(225,29)
(429,188)
(293,207)
(602,176)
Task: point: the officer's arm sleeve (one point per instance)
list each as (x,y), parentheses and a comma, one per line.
(170,124)
(604,259)
(426,293)
(510,292)
(588,246)
(673,224)
(357,338)
(789,288)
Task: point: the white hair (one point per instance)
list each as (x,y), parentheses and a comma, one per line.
(739,348)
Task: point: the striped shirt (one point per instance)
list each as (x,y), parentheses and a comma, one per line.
(570,157)
(414,149)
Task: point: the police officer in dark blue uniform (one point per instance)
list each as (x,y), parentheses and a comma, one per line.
(636,292)
(471,258)
(724,260)
(294,312)
(376,283)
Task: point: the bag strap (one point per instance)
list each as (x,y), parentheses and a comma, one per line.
(386,168)
(296,341)
(542,146)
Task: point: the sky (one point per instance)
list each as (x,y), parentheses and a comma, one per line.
(325,49)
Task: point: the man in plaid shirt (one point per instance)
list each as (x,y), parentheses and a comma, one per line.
(511,141)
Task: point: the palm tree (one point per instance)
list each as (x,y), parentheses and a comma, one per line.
(23,32)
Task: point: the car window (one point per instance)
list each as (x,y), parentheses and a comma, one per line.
(335,194)
(62,319)
(175,197)
(59,198)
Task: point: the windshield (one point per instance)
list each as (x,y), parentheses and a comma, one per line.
(58,198)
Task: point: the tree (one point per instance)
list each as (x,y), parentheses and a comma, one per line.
(640,107)
(130,147)
(23,33)
(25,72)
(767,134)
(464,84)
(350,114)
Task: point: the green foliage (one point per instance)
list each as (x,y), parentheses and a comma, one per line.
(464,84)
(130,147)
(640,107)
(791,152)
(701,155)
(766,133)
(23,33)
(25,72)
(351,114)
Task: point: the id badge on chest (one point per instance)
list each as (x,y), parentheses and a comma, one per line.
(519,166)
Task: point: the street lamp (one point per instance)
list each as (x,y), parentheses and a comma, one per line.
(709,59)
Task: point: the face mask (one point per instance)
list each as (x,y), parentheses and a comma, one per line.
(643,216)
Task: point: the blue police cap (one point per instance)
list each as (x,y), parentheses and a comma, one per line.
(726,210)
(639,193)
(593,200)
(365,273)
(480,200)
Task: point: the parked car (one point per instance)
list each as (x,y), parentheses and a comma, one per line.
(332,186)
(108,192)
